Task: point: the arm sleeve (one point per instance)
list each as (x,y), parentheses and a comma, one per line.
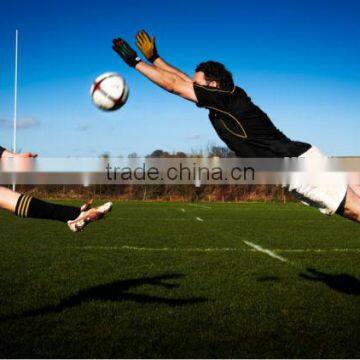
(208,97)
(1,151)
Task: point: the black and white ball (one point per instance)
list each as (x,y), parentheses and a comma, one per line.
(109,91)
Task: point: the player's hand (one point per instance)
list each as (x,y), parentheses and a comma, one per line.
(26,155)
(147,45)
(10,154)
(126,52)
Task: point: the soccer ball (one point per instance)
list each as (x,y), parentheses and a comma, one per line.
(109,91)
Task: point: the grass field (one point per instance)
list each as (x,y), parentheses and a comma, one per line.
(182,280)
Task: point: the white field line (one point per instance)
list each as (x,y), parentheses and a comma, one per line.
(154,219)
(340,250)
(165,249)
(196,249)
(199,219)
(239,207)
(328,221)
(265,251)
(201,206)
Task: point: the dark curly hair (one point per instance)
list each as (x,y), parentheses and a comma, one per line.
(215,71)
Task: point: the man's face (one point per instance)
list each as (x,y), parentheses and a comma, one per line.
(199,78)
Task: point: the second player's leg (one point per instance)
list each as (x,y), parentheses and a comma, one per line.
(8,199)
(27,206)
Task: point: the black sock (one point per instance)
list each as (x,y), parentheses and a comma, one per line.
(27,206)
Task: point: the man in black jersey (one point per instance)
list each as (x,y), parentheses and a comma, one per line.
(242,125)
(27,206)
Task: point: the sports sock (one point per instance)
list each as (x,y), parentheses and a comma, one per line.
(28,206)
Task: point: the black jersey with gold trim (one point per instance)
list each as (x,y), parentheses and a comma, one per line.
(243,126)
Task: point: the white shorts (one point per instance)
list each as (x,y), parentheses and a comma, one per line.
(328,194)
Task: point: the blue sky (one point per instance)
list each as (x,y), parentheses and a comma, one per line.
(298,60)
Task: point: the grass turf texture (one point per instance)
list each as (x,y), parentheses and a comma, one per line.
(140,284)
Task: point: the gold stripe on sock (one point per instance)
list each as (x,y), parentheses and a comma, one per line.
(19,205)
(23,205)
(26,206)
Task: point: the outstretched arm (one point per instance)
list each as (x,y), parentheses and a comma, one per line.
(148,47)
(162,64)
(165,79)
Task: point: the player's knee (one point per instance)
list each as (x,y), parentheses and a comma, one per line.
(350,206)
(350,213)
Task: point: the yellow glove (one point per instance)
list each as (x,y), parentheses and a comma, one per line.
(147,45)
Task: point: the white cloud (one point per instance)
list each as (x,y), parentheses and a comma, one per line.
(24,123)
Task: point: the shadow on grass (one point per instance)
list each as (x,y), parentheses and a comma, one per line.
(114,291)
(343,283)
(268,278)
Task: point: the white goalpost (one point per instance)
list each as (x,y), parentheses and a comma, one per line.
(15,95)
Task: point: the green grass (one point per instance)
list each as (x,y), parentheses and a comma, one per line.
(86,295)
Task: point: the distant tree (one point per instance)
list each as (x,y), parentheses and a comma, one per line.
(105,156)
(133,155)
(180,154)
(220,151)
(196,153)
(159,154)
